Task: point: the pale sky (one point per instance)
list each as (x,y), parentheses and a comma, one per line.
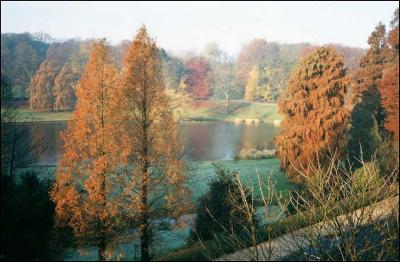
(180,26)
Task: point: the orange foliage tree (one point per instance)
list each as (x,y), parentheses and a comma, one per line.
(85,188)
(199,78)
(64,90)
(155,185)
(315,118)
(41,87)
(389,85)
(366,80)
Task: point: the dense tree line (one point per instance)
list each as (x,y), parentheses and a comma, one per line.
(46,71)
(21,55)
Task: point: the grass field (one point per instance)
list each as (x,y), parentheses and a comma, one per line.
(201,173)
(239,110)
(36,116)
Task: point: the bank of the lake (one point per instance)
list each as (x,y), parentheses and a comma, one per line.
(200,173)
(208,110)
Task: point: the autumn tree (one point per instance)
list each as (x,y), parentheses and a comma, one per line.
(366,79)
(389,85)
(85,191)
(315,120)
(155,183)
(199,78)
(41,87)
(252,54)
(258,87)
(67,78)
(375,95)
(252,85)
(65,83)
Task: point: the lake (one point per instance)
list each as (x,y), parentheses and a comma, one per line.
(208,140)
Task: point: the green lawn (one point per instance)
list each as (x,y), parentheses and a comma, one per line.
(238,110)
(201,173)
(203,110)
(36,116)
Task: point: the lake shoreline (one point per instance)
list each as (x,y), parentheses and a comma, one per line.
(200,111)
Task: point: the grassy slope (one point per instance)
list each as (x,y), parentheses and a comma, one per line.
(215,110)
(202,110)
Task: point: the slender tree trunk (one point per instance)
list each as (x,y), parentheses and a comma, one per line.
(102,243)
(144,227)
(102,249)
(226,102)
(12,159)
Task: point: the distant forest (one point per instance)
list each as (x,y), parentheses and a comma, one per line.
(46,71)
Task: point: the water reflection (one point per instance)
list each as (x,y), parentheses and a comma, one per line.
(202,140)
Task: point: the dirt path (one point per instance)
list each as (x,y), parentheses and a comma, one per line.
(286,244)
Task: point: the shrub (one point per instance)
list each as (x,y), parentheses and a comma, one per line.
(222,208)
(253,154)
(27,217)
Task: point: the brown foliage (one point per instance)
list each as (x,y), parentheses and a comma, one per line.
(315,118)
(41,94)
(389,90)
(252,55)
(65,88)
(199,78)
(371,65)
(85,191)
(389,85)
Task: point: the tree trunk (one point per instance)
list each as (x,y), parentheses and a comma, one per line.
(226,103)
(102,250)
(12,159)
(144,227)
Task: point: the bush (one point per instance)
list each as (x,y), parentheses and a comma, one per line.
(367,177)
(388,156)
(27,217)
(222,208)
(254,154)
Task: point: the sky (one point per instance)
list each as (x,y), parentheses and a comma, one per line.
(189,26)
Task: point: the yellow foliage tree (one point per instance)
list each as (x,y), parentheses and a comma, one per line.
(252,87)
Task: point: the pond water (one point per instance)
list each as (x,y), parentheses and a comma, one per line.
(202,140)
